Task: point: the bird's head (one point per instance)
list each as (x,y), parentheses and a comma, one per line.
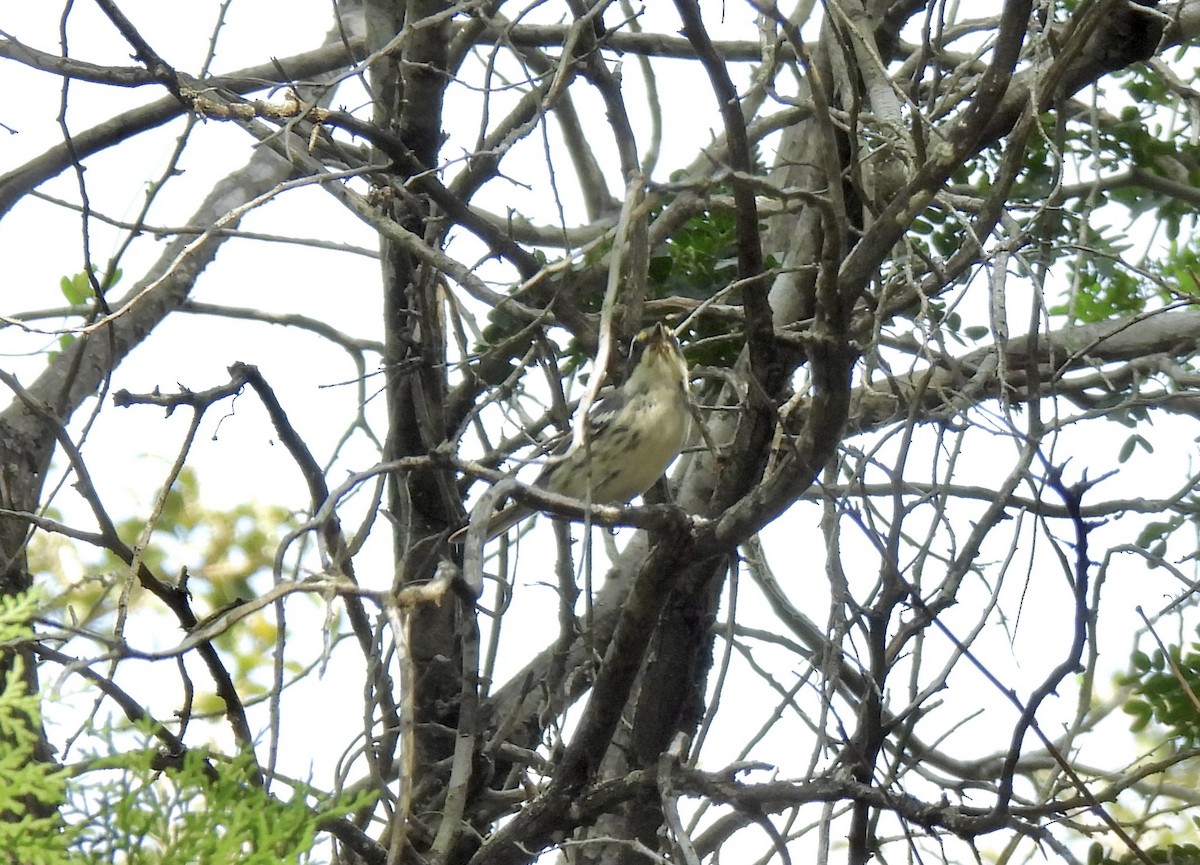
(656,360)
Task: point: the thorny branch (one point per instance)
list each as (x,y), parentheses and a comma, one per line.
(870,349)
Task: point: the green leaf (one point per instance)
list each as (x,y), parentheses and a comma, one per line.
(1134,441)
(1141,661)
(1141,713)
(76,289)
(1154,532)
(28,838)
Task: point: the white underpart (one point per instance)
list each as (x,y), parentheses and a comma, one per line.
(657,392)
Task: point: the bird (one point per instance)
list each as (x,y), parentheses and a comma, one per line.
(633,434)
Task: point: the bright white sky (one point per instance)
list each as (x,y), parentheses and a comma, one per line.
(40,243)
(309,377)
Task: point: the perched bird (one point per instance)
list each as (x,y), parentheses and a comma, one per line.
(633,434)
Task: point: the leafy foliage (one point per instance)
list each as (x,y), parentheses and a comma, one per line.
(894,473)
(222,556)
(1167,854)
(1165,689)
(126,806)
(200,810)
(28,838)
